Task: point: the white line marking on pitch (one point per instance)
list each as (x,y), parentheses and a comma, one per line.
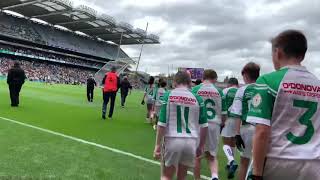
(91,143)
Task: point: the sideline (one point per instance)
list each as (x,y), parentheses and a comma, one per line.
(92,144)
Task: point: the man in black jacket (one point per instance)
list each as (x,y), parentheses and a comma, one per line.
(91,83)
(125,86)
(15,80)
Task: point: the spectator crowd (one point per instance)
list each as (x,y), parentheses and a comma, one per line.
(47,72)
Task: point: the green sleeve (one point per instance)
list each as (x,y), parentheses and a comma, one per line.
(203,121)
(224,108)
(163,111)
(262,103)
(266,90)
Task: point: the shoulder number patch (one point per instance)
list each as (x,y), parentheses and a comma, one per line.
(256,100)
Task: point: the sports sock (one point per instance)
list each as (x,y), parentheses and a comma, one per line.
(229,153)
(214,175)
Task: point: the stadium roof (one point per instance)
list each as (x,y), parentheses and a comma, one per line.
(81,19)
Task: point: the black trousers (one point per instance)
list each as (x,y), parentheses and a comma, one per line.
(90,94)
(123,98)
(14,93)
(106,97)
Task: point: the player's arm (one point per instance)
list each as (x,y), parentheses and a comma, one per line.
(260,147)
(162,124)
(203,122)
(224,109)
(236,112)
(260,114)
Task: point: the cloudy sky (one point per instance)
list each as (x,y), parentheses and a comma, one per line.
(218,34)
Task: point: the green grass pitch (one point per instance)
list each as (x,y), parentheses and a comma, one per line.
(33,154)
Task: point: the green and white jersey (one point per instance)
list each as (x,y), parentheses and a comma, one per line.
(241,102)
(158,95)
(288,101)
(230,94)
(182,113)
(149,91)
(214,101)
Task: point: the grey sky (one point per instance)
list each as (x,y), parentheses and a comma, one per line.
(218,34)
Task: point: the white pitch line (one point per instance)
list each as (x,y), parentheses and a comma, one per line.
(92,143)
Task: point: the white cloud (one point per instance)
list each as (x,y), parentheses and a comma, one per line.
(219,34)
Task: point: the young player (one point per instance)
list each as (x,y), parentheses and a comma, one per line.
(181,124)
(229,131)
(148,96)
(158,98)
(216,116)
(286,111)
(239,110)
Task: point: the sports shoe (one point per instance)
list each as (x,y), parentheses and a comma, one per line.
(148,121)
(103,117)
(232,169)
(214,179)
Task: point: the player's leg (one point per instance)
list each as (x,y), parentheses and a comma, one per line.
(213,165)
(182,172)
(122,99)
(228,134)
(171,153)
(168,173)
(88,94)
(247,132)
(149,112)
(244,164)
(104,105)
(92,93)
(113,99)
(212,146)
(197,169)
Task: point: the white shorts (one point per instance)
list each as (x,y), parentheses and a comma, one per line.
(179,151)
(229,129)
(247,132)
(284,169)
(212,140)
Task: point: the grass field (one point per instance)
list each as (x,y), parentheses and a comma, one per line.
(34,153)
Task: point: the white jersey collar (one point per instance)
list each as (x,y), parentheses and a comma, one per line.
(297,67)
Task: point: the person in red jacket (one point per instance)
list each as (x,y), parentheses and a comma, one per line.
(111,84)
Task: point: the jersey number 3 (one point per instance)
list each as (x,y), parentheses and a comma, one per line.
(305,120)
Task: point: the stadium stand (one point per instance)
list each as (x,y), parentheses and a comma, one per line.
(24,29)
(61,43)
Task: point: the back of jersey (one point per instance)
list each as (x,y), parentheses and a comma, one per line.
(296,117)
(213,101)
(159,96)
(182,114)
(229,94)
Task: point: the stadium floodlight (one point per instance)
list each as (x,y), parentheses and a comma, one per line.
(125,26)
(109,19)
(87,9)
(140,32)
